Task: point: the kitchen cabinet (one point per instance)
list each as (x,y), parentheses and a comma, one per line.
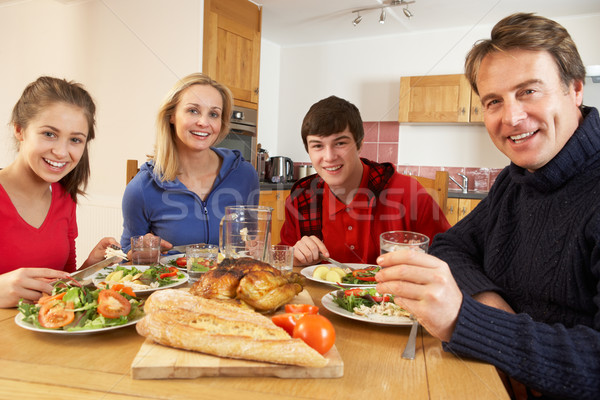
(458,208)
(438,98)
(231,47)
(276,200)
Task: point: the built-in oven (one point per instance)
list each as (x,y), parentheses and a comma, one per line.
(242,133)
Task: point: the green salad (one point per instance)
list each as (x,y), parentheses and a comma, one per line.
(72,307)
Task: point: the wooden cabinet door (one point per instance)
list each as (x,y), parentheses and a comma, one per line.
(476,108)
(465,206)
(436,98)
(276,200)
(452,210)
(231,52)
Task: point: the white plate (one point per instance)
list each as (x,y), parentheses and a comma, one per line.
(97,281)
(329,304)
(19,321)
(165,260)
(308,274)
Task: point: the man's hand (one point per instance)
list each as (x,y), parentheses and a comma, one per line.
(307,249)
(423,285)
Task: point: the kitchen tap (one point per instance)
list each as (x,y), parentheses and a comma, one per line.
(465,182)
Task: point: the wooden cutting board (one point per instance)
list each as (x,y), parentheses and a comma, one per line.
(155,361)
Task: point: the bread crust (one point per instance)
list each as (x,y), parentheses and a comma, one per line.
(178,319)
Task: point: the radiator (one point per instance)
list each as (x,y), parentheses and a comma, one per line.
(96,220)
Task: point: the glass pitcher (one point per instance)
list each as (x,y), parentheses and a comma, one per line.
(245,231)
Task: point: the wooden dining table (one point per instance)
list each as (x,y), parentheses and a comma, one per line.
(40,365)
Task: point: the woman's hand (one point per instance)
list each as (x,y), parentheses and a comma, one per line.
(423,285)
(27,284)
(307,249)
(97,254)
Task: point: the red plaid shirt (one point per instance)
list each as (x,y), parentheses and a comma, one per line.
(385,201)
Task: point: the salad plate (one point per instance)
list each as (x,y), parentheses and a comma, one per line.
(170,260)
(26,325)
(98,280)
(308,274)
(329,304)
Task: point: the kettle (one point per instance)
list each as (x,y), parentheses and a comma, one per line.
(281,170)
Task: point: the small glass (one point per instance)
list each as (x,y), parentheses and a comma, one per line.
(282,257)
(403,240)
(145,249)
(200,258)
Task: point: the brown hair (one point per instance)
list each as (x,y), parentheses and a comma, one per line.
(166,160)
(332,115)
(44,92)
(526,31)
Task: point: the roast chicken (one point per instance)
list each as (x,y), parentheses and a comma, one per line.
(255,283)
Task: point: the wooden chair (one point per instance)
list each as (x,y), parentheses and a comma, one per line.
(131,170)
(437,188)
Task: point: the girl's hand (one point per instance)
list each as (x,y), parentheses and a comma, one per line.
(28,284)
(97,254)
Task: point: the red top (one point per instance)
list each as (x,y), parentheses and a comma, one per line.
(52,245)
(351,232)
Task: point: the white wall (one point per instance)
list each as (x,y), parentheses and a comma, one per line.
(367,73)
(127,53)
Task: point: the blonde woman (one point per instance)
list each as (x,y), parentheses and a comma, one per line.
(181,194)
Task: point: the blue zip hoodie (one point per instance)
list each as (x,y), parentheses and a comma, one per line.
(169,210)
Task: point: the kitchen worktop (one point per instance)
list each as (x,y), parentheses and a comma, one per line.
(276,186)
(458,194)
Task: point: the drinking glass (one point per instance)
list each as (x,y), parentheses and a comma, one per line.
(145,249)
(200,258)
(403,240)
(282,257)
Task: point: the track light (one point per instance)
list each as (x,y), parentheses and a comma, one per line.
(383,15)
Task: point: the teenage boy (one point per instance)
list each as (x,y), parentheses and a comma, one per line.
(341,211)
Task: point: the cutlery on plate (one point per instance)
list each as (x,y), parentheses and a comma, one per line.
(409,350)
(336,263)
(84,274)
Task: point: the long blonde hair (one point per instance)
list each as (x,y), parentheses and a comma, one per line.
(166,159)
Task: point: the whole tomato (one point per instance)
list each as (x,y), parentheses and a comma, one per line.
(316,331)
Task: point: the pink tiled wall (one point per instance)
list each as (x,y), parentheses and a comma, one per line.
(381,145)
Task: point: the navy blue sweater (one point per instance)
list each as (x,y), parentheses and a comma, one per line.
(535,240)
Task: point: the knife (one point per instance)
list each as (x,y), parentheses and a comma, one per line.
(180,248)
(84,274)
(336,263)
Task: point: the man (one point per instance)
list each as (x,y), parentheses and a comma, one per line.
(523,291)
(341,211)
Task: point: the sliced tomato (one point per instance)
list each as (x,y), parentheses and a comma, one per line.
(181,261)
(287,321)
(46,298)
(356,292)
(381,299)
(301,309)
(119,287)
(112,304)
(316,331)
(56,313)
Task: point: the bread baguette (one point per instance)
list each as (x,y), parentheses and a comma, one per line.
(178,319)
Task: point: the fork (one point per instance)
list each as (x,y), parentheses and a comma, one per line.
(336,263)
(409,350)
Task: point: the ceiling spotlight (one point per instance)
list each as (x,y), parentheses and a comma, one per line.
(382,17)
(407,12)
(357,20)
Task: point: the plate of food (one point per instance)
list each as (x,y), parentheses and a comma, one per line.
(73,309)
(365,304)
(356,275)
(171,260)
(142,279)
